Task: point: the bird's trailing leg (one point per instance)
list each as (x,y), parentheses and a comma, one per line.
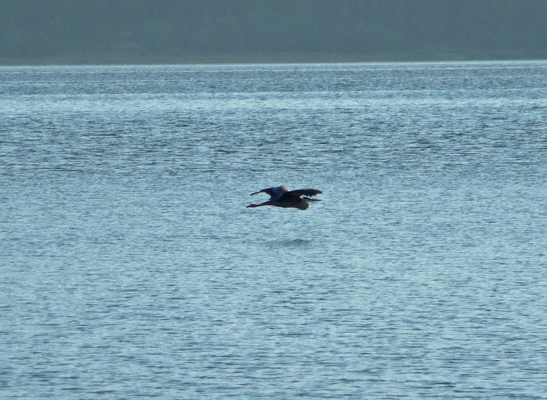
(266,203)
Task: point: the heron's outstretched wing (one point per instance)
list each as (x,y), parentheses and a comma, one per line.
(273,191)
(307,192)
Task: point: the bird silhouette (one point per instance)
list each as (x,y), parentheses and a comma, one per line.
(282,196)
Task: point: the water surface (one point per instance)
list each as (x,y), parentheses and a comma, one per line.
(131,267)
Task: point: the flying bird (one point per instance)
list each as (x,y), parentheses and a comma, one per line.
(282,196)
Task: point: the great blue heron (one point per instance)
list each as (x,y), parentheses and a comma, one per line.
(282,196)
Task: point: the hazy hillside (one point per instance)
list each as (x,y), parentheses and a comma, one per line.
(33,31)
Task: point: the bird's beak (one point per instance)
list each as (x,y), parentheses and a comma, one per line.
(256,193)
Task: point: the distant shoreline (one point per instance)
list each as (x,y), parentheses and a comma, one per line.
(279,58)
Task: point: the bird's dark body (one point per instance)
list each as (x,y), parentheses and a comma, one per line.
(281,196)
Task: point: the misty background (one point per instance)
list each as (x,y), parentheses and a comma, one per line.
(129,31)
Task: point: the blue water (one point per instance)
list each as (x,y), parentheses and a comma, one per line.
(130,266)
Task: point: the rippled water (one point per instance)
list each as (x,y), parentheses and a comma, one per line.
(131,267)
